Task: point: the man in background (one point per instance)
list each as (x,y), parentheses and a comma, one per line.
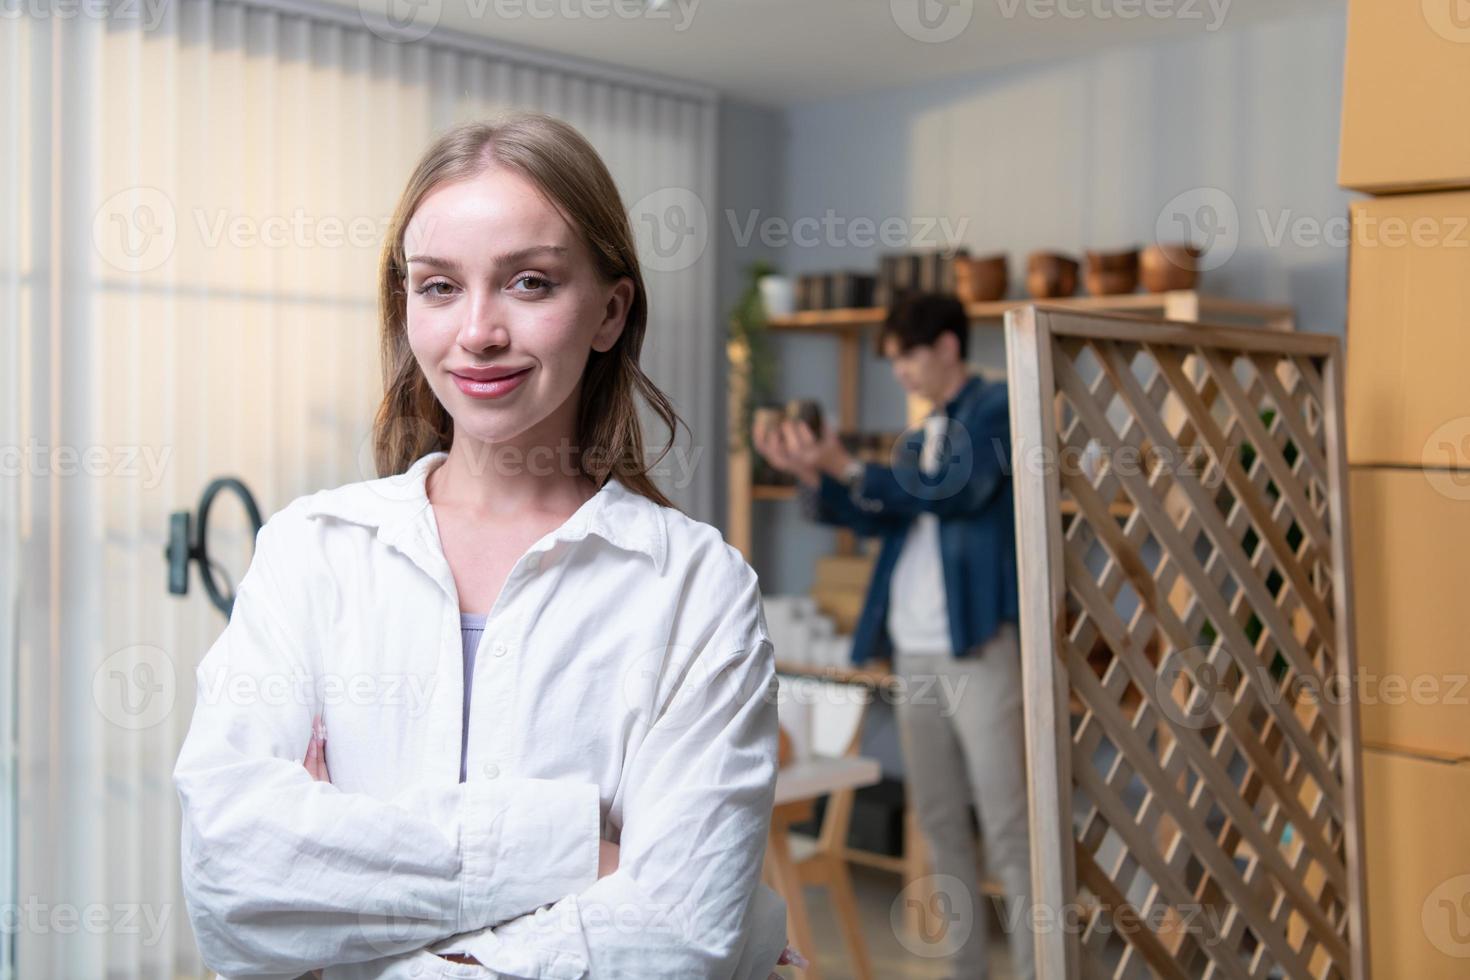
(942,606)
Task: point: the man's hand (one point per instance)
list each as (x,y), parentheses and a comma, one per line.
(790,446)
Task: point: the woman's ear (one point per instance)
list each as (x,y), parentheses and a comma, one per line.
(619,302)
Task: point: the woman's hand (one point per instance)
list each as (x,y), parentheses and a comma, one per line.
(316,752)
(791,956)
(607,858)
(316,764)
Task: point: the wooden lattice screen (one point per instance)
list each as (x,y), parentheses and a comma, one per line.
(1191,730)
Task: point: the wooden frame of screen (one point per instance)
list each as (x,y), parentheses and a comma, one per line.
(1032,335)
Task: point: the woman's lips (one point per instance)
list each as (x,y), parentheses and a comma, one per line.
(498,388)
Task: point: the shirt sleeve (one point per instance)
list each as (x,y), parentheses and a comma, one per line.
(686,900)
(282,873)
(967,479)
(765,938)
(831,502)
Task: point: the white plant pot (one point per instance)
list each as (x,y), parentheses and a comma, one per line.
(778,295)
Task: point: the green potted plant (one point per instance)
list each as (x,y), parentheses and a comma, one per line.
(754,363)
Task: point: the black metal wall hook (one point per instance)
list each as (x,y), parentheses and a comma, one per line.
(185,546)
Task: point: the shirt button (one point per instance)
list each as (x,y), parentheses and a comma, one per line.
(491,771)
(534,562)
(499,648)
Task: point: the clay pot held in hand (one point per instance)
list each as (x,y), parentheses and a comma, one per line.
(807,411)
(764,419)
(1050,275)
(1170,267)
(1112,273)
(982,279)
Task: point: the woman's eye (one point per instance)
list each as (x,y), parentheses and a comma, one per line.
(541,283)
(432,288)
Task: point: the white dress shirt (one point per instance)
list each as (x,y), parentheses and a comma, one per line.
(918,606)
(624,688)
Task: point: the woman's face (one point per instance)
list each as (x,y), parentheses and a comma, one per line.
(500,284)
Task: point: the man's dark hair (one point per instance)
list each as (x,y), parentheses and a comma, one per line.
(918,319)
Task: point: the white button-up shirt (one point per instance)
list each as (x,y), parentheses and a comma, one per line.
(629,694)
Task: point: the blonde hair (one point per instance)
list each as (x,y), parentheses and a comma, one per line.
(559,161)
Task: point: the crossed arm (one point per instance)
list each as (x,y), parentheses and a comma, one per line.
(284,873)
(767,913)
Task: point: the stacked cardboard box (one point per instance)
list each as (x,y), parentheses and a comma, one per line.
(1418,865)
(1405,97)
(1405,133)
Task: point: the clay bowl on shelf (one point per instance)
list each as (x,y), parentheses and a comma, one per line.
(1172,266)
(1112,273)
(1050,275)
(982,279)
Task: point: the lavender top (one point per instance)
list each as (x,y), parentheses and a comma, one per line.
(471,625)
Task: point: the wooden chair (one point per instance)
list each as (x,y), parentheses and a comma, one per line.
(794,862)
(913,867)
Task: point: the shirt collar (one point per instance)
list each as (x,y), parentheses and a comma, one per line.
(397,507)
(972,384)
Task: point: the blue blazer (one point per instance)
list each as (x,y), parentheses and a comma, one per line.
(971,494)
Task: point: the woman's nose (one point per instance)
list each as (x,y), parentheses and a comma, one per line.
(485,324)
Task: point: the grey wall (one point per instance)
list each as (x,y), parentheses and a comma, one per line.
(751,179)
(1069,155)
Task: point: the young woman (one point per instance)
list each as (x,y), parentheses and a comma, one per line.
(550,694)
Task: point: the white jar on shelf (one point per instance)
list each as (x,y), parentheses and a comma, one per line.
(778,295)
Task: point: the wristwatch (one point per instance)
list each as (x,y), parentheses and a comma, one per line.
(852,478)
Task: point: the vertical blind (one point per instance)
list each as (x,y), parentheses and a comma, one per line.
(190,216)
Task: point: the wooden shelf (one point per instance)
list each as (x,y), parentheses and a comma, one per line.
(772,491)
(1177,305)
(847,328)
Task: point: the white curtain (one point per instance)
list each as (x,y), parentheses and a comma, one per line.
(190,215)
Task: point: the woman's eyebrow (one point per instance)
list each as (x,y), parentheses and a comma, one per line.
(509,258)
